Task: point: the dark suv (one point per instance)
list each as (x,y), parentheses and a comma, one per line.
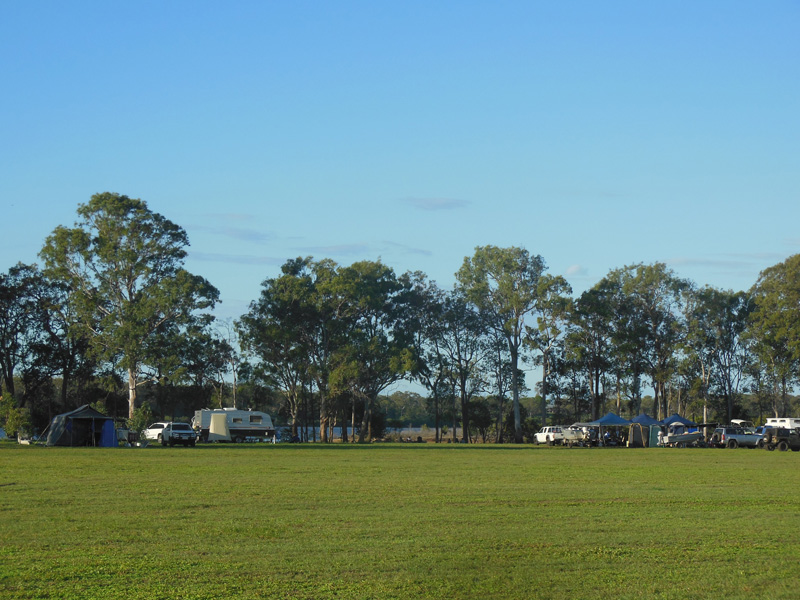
(782,439)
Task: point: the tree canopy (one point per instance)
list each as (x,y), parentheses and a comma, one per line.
(123,266)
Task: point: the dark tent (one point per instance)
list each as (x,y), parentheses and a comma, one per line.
(645,420)
(649,428)
(83,426)
(636,436)
(676,418)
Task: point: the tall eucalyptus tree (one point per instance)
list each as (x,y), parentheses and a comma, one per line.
(553,308)
(775,324)
(504,284)
(123,264)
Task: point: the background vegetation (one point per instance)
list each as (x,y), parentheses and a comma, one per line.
(114,320)
(397,521)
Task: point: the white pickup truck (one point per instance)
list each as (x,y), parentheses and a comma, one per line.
(558,434)
(549,436)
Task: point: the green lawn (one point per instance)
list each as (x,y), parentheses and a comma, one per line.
(398,521)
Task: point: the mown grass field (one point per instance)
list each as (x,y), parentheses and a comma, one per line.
(398,521)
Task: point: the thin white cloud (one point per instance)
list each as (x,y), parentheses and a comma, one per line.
(237,259)
(244,234)
(576,271)
(230,216)
(409,249)
(436,203)
(337,249)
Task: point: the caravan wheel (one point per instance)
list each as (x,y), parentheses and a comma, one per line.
(238,439)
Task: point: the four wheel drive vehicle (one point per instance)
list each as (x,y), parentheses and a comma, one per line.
(549,436)
(153,431)
(782,439)
(178,433)
(733,437)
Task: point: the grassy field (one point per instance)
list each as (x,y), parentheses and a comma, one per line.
(397,521)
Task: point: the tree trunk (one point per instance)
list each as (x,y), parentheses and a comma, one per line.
(323,416)
(131,392)
(545,367)
(365,422)
(455,421)
(464,416)
(515,390)
(436,419)
(501,404)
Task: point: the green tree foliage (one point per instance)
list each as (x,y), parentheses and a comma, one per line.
(589,342)
(123,265)
(377,350)
(13,419)
(280,331)
(464,343)
(141,419)
(775,324)
(553,309)
(347,329)
(35,345)
(716,344)
(20,319)
(504,284)
(649,323)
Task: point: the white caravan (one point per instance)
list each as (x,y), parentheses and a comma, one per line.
(232,424)
(786,423)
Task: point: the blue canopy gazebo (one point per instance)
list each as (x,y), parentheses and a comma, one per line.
(610,420)
(676,418)
(645,420)
(607,420)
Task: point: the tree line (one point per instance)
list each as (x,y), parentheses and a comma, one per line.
(112,308)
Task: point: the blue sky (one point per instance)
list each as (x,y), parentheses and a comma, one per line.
(597,134)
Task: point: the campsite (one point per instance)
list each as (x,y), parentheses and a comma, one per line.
(396,521)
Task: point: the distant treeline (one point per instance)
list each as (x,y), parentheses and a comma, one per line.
(113,319)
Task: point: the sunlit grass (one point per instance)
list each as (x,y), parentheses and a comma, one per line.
(397,521)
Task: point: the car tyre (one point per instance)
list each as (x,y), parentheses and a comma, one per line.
(783,446)
(733,444)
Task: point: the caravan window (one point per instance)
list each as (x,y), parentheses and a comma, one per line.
(237,419)
(255,418)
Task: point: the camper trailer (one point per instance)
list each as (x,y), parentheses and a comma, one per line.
(232,425)
(787,423)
